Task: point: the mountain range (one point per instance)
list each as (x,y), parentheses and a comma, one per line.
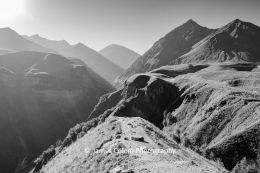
(101,65)
(120,55)
(12,41)
(237,41)
(193,96)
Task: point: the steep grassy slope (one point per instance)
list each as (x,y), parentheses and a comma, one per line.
(42,96)
(213,108)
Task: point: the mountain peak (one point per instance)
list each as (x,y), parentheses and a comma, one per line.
(191,21)
(237,20)
(36,36)
(235,42)
(114,45)
(79,45)
(8,30)
(238,27)
(120,55)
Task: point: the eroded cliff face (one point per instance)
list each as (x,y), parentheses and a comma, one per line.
(215,108)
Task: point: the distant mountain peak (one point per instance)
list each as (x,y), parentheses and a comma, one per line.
(114,45)
(238,21)
(8,30)
(63,41)
(191,21)
(119,55)
(11,40)
(36,36)
(238,28)
(235,42)
(79,44)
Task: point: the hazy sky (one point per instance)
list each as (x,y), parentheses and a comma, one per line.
(136,24)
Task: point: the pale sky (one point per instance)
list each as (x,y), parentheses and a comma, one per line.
(136,24)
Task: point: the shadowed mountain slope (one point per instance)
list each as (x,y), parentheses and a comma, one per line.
(120,55)
(42,96)
(102,66)
(174,44)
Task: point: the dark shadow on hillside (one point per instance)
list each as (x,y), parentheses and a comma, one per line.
(242,66)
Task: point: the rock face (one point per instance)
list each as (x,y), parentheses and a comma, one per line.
(42,96)
(12,41)
(102,66)
(173,45)
(213,109)
(238,41)
(120,55)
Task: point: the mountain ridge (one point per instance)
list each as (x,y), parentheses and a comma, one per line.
(174,44)
(235,42)
(104,67)
(11,40)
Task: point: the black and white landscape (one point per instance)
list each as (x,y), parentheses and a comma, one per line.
(167,86)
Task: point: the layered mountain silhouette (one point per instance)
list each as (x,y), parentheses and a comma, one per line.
(104,67)
(238,41)
(42,96)
(174,44)
(205,109)
(12,41)
(120,55)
